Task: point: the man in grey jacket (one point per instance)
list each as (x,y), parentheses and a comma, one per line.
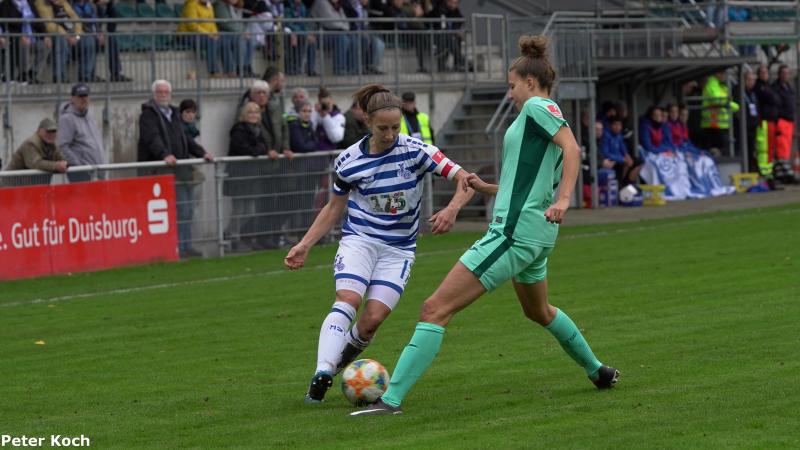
(79,137)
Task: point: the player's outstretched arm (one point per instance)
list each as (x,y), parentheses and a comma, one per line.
(472,180)
(326,219)
(572,159)
(443,221)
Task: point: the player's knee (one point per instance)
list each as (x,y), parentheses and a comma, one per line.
(349,297)
(435,311)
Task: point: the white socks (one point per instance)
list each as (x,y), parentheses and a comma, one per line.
(354,339)
(332,336)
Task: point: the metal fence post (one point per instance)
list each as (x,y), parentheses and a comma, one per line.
(219,180)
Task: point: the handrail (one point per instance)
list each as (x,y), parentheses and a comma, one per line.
(500,107)
(149,164)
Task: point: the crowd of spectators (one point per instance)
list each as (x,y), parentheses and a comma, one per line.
(64,32)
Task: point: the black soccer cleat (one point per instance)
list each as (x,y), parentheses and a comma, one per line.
(378,409)
(606,377)
(320,383)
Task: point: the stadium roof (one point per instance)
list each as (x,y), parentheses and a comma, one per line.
(614,70)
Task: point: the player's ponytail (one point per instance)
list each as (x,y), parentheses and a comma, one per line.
(534,62)
(374,97)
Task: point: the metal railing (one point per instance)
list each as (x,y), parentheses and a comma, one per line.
(231,205)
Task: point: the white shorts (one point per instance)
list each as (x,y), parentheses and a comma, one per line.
(372,268)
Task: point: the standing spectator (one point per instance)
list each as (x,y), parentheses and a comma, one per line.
(302,43)
(616,155)
(404,15)
(278,126)
(107,10)
(91,38)
(328,121)
(336,38)
(235,44)
(752,116)
(367,43)
(28,52)
(161,138)
(768,104)
(247,138)
(302,137)
(415,124)
(451,34)
(653,135)
(783,137)
(298,95)
(204,35)
(39,152)
(67,32)
(79,137)
(188,110)
(715,117)
(355,126)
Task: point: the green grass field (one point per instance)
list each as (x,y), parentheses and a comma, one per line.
(700,314)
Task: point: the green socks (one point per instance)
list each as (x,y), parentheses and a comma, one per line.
(414,360)
(572,341)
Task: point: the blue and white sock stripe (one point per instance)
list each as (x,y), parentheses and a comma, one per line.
(342,312)
(356,339)
(387,284)
(350,276)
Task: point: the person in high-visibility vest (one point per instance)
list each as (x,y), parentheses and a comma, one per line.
(415,123)
(715,116)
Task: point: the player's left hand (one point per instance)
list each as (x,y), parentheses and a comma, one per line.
(555,213)
(443,221)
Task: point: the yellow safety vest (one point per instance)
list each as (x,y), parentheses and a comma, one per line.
(424,128)
(716,105)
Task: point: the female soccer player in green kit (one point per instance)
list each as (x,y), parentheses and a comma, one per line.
(539,153)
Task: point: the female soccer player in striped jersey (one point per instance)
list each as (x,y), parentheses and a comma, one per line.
(379,184)
(539,152)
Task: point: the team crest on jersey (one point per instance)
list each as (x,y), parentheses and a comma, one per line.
(403,172)
(555,111)
(368,180)
(338,264)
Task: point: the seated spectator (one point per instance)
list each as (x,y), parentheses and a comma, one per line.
(79,137)
(204,35)
(371,45)
(336,38)
(451,34)
(38,152)
(91,39)
(616,155)
(303,138)
(678,130)
(161,138)
(28,52)
(188,110)
(236,49)
(248,137)
(107,10)
(355,126)
(328,121)
(301,48)
(654,137)
(67,33)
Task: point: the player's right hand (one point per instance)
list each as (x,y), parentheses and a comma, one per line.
(474,181)
(296,257)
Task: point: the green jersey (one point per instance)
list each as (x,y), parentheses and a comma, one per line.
(532,166)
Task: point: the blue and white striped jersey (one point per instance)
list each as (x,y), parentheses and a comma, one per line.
(386,189)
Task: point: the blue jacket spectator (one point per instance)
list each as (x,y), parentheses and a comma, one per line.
(612,147)
(654,137)
(302,136)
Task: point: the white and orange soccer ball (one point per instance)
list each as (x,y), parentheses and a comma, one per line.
(363,381)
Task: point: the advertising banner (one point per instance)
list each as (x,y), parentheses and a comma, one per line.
(86,226)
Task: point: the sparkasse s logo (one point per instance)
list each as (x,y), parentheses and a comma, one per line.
(157,213)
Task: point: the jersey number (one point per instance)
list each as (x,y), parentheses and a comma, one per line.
(391,203)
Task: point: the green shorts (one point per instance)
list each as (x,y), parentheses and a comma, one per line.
(495,259)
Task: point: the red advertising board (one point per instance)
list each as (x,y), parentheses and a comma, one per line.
(86,226)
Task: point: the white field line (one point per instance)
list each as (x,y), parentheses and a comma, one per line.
(224,279)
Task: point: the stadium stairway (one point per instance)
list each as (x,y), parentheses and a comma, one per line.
(463,138)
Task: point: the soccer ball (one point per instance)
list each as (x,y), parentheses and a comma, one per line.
(363,381)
